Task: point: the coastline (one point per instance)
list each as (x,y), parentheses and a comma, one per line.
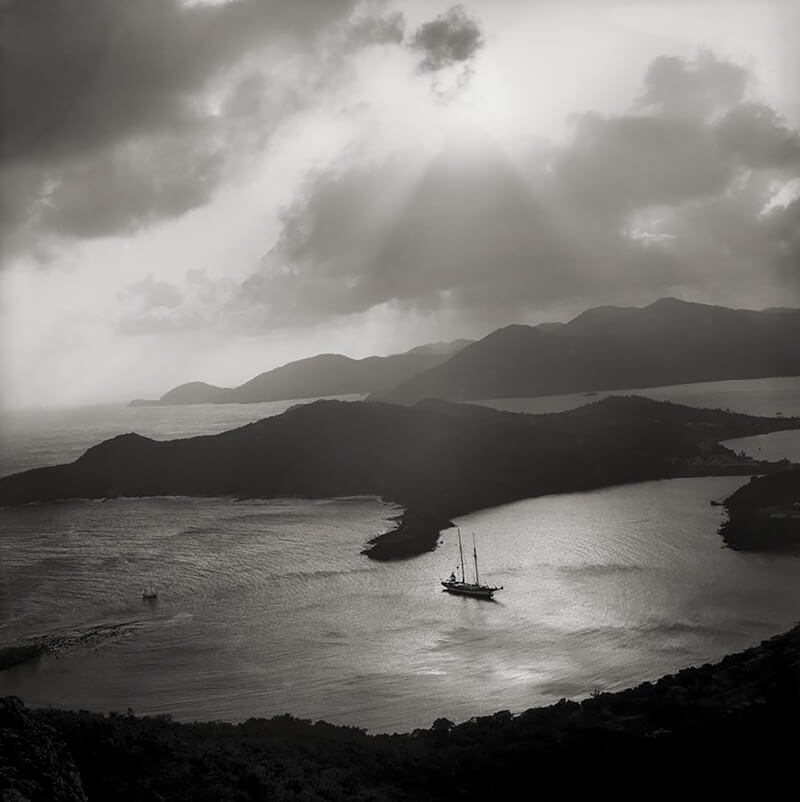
(436,460)
(418,530)
(683,729)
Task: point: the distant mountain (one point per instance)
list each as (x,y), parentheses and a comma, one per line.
(612,348)
(323,375)
(436,459)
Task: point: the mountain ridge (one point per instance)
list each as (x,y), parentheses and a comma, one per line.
(313,377)
(671,341)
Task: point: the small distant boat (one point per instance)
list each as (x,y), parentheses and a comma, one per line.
(463,588)
(149,593)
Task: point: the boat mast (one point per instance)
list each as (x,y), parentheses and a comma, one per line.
(475,555)
(461,554)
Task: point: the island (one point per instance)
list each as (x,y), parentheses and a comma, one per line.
(719,731)
(436,460)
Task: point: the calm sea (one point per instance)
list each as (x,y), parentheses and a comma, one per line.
(267,607)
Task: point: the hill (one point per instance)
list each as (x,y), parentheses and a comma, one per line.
(436,459)
(764,515)
(721,731)
(610,348)
(323,375)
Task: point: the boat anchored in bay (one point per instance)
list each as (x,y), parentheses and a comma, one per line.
(463,588)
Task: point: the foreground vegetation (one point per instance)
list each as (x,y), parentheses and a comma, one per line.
(727,730)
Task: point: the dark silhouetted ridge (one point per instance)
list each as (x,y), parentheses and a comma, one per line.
(437,459)
(611,348)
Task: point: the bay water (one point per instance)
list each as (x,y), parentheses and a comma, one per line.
(268,607)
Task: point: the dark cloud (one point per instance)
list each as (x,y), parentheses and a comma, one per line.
(758,136)
(132,185)
(21,192)
(617,164)
(696,89)
(452,38)
(107,120)
(103,125)
(781,228)
(672,194)
(82,74)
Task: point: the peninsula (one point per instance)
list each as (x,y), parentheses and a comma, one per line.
(764,515)
(435,459)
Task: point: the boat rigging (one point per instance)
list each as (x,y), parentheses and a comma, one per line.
(460,586)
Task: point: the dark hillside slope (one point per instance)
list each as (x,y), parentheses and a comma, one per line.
(437,459)
(764,515)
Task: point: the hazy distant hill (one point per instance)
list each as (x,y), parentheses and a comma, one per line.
(436,459)
(608,348)
(326,374)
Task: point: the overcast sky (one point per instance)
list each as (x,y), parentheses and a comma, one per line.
(206,190)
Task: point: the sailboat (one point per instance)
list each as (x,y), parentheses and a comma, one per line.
(149,593)
(460,586)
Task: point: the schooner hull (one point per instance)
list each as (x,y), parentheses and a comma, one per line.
(466,590)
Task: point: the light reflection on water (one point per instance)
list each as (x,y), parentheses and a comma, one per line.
(268,607)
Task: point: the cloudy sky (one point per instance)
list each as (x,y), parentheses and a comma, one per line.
(205,190)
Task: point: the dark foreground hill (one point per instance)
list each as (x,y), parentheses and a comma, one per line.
(323,375)
(437,460)
(722,731)
(611,348)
